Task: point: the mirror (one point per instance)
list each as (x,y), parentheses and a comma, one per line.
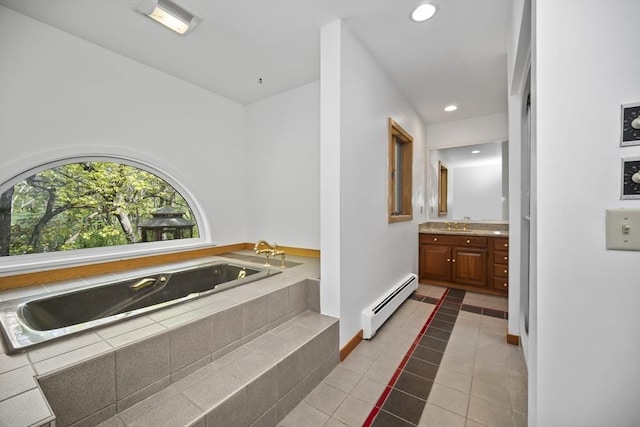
(469,182)
(443,192)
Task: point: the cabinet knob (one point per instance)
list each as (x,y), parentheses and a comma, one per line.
(506,245)
(454,260)
(505,271)
(468,241)
(448,259)
(435,239)
(505,285)
(505,258)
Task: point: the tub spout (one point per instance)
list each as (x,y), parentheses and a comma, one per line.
(147,281)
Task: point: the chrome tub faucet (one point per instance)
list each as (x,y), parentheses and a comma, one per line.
(269,250)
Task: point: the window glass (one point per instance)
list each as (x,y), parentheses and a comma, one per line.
(91,204)
(400,173)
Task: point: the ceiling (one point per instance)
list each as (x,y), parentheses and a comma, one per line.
(459,56)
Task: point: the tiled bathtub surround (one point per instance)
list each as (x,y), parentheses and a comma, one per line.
(258,383)
(129,361)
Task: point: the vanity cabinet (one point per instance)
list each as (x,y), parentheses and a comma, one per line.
(500,263)
(465,262)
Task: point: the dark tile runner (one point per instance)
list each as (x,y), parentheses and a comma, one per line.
(405,396)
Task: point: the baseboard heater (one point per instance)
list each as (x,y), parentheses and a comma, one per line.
(377,313)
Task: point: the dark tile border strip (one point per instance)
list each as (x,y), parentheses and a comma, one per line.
(419,368)
(405,396)
(485,311)
(464,307)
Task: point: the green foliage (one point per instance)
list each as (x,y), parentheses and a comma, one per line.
(86,205)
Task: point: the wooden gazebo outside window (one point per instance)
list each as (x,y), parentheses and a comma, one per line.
(168,223)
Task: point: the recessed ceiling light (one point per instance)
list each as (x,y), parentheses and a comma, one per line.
(424,12)
(169,14)
(450,108)
(475,151)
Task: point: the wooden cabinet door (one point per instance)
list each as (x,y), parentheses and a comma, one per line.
(470,266)
(435,262)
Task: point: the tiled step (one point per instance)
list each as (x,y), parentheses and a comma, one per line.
(256,384)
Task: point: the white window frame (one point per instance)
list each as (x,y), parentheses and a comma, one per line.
(18,264)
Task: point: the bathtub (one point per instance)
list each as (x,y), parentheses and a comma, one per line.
(33,320)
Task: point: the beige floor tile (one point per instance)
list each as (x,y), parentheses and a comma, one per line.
(493,325)
(352,412)
(491,372)
(460,362)
(368,390)
(448,398)
(470,332)
(519,420)
(517,381)
(494,393)
(325,398)
(461,344)
(471,423)
(381,371)
(518,401)
(463,320)
(489,338)
(358,363)
(489,414)
(334,423)
(343,379)
(469,317)
(454,379)
(435,416)
(493,353)
(496,302)
(304,415)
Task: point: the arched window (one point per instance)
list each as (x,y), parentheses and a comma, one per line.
(86,203)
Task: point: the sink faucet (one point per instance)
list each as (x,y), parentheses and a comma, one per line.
(269,251)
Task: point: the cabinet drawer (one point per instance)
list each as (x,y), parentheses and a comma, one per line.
(447,239)
(501,243)
(501,283)
(501,257)
(500,270)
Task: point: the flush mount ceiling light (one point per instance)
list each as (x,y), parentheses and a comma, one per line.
(450,108)
(423,12)
(475,152)
(169,14)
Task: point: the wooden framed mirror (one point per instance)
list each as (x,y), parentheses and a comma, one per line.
(443,180)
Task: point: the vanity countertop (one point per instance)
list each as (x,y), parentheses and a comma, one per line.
(473,228)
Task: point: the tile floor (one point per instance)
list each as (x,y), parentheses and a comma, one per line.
(460,372)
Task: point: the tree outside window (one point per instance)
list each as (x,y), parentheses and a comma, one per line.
(80,205)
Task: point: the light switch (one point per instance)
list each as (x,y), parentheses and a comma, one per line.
(623,229)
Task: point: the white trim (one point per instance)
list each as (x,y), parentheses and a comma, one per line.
(15,171)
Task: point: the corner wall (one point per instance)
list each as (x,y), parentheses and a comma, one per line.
(588,321)
(283,168)
(357,98)
(60,95)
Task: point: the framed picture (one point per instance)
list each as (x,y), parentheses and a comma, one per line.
(630,188)
(630,124)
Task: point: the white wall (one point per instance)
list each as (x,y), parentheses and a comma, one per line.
(374,255)
(476,130)
(588,320)
(518,60)
(62,95)
(283,168)
(476,192)
(253,170)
